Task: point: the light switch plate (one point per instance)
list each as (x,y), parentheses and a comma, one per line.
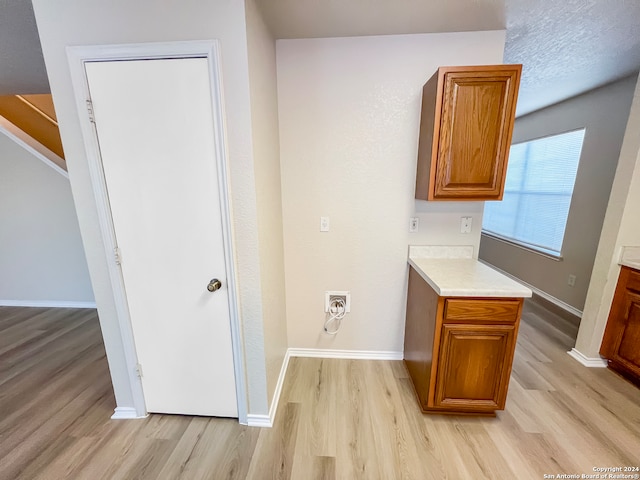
(414,224)
(324,224)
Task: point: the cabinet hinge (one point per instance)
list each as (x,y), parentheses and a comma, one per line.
(117,255)
(92,119)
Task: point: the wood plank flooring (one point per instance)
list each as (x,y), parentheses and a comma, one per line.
(337,419)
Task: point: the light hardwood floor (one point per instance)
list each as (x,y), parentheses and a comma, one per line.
(341,419)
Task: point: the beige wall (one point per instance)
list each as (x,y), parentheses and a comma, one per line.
(266,155)
(603,112)
(349,114)
(41,255)
(621,228)
(89,22)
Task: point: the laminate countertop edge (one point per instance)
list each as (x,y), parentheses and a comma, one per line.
(466,277)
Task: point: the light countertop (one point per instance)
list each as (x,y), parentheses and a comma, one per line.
(463,276)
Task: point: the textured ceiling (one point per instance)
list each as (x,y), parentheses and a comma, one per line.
(22,67)
(567,46)
(570,46)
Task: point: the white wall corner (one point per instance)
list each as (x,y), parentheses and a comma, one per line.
(126,413)
(261,420)
(591,362)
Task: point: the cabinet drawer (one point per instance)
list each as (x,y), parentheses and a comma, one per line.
(633,283)
(486,311)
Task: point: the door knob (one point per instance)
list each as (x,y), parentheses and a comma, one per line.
(214,285)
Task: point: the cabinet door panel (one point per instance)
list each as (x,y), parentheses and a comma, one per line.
(469,145)
(475,133)
(628,351)
(474,366)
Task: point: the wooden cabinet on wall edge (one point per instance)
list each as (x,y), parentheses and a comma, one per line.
(621,341)
(465,132)
(459,350)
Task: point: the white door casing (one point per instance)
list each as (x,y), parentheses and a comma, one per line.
(159,126)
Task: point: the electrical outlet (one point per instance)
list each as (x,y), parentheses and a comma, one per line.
(571,280)
(324,224)
(413,224)
(465,224)
(334,294)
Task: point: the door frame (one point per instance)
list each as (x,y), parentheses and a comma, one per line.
(209,49)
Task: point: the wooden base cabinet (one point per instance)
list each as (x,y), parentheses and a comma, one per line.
(621,341)
(459,350)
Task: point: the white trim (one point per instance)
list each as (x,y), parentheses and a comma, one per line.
(259,420)
(209,49)
(77,57)
(348,354)
(46,304)
(125,413)
(276,394)
(32,146)
(237,340)
(143,51)
(590,362)
(549,298)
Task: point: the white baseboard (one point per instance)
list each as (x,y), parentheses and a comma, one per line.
(348,354)
(591,362)
(125,413)
(46,304)
(259,420)
(549,298)
(276,395)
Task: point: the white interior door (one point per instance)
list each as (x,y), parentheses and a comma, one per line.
(155,128)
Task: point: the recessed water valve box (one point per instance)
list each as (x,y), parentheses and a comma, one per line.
(330,296)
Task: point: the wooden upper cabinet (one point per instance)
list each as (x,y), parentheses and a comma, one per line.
(465,132)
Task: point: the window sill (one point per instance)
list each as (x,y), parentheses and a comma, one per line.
(528,248)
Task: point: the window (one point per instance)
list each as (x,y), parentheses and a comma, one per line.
(538,189)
